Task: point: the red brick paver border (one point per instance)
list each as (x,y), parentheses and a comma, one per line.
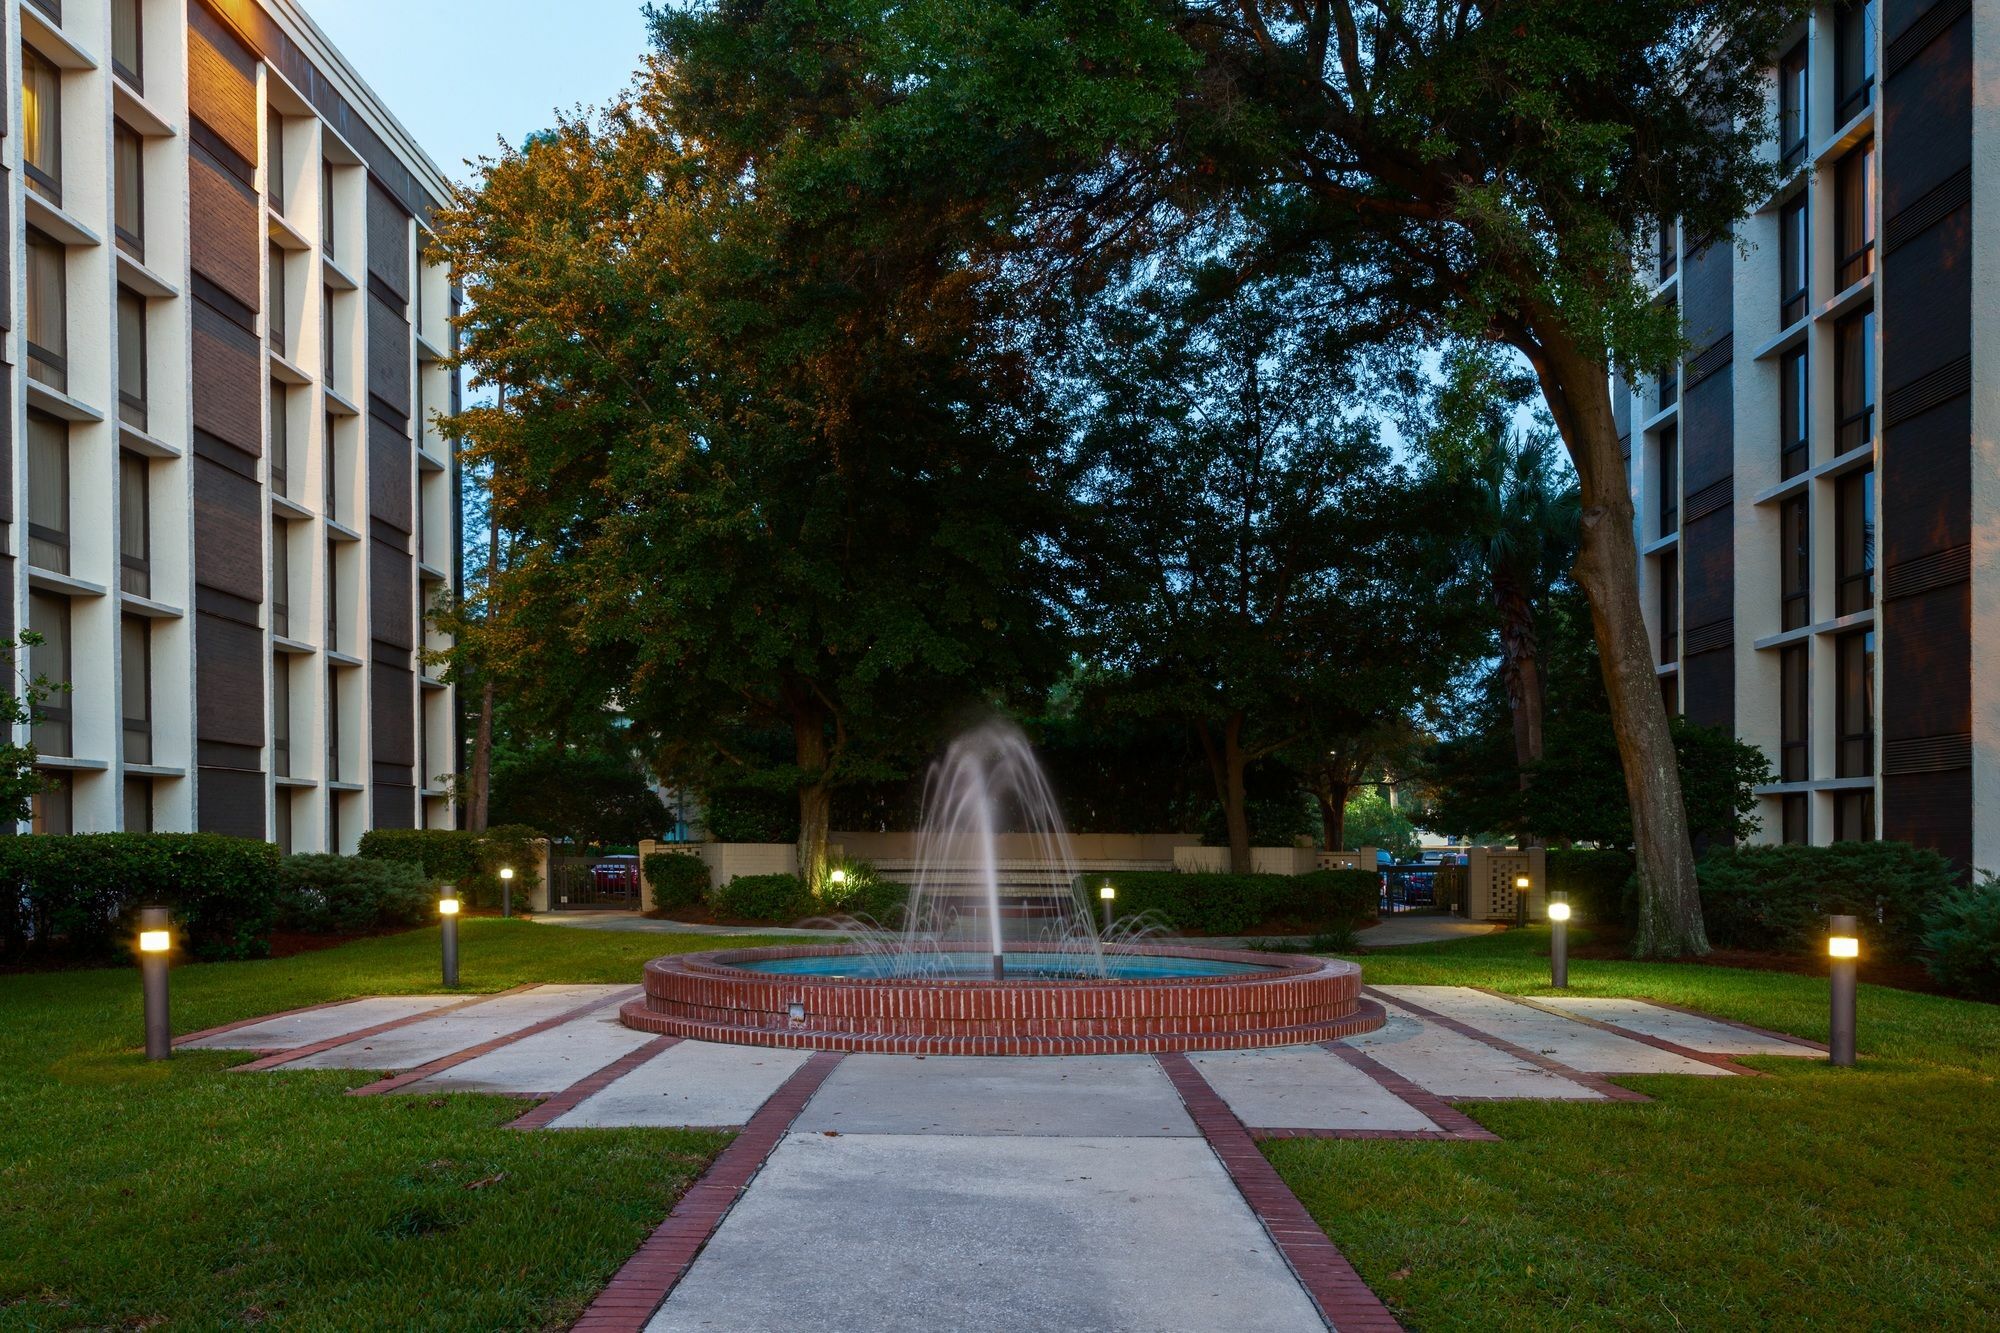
(591,1084)
(628,1301)
(292,1053)
(456,1058)
(1722,1062)
(1344,1300)
(1454,1123)
(221,1028)
(1602,1086)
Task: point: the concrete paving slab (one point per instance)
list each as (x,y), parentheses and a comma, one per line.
(1304,1087)
(432,1038)
(319,1024)
(1449,1065)
(1589,1049)
(691,1083)
(544,1063)
(1077,1095)
(1689,1030)
(926,1232)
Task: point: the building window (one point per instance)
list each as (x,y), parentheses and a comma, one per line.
(280,315)
(136,688)
(128,189)
(1670,248)
(1795,436)
(1792,97)
(1854,382)
(1854,215)
(1668,378)
(128,54)
(138,805)
(326,340)
(1794,262)
(283,812)
(41,123)
(1795,562)
(326,209)
(332,599)
(1670,609)
(1792,812)
(1794,713)
(332,468)
(281,578)
(54,807)
(48,616)
(1854,542)
(1670,481)
(48,492)
(135,525)
(48,311)
(281,438)
(281,719)
(274,170)
(333,733)
(1854,816)
(131,358)
(1854,704)
(1670,693)
(1853,59)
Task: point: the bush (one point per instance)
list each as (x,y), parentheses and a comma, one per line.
(1232,904)
(1962,933)
(1600,886)
(1777,899)
(679,879)
(865,894)
(470,861)
(72,894)
(343,894)
(778,898)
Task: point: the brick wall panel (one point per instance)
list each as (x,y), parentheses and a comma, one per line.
(222,81)
(223,241)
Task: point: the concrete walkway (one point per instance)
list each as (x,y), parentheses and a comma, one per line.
(888,1192)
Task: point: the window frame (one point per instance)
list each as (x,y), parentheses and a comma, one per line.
(132,240)
(1854,738)
(1794,712)
(1795,562)
(58,720)
(1852,490)
(1854,257)
(137,734)
(135,557)
(1852,93)
(134,73)
(1666,447)
(1794,101)
(1794,260)
(1849,408)
(133,409)
(50,359)
(49,547)
(1794,413)
(1670,608)
(41,179)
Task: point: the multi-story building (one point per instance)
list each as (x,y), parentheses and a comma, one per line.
(1818,481)
(226,506)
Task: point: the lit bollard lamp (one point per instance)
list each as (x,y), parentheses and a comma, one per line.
(506,891)
(1843,951)
(1521,886)
(1559,939)
(1107,895)
(155,942)
(448,916)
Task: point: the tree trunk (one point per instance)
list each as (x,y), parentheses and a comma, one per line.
(1226,765)
(815,791)
(1333,813)
(1577,388)
(482,741)
(1520,667)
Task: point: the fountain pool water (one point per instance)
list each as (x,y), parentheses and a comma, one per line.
(957,979)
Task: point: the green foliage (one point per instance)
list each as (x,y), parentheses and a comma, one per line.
(1778,898)
(1231,904)
(1598,882)
(345,894)
(470,861)
(1962,938)
(863,893)
(735,812)
(679,879)
(20,705)
(780,899)
(73,895)
(580,793)
(1373,822)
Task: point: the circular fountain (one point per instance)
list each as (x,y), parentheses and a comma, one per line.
(975,971)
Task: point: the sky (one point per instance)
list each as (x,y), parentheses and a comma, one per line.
(460,73)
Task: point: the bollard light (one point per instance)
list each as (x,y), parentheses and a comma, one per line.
(1559,940)
(155,942)
(1107,895)
(448,915)
(506,891)
(837,875)
(1521,886)
(1843,951)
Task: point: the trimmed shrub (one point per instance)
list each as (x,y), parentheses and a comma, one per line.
(72,894)
(1601,889)
(471,861)
(865,894)
(1232,904)
(679,880)
(1962,933)
(342,894)
(1777,899)
(776,898)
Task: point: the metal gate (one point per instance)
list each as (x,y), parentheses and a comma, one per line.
(582,882)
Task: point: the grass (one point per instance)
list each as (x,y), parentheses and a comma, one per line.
(1815,1197)
(135,1195)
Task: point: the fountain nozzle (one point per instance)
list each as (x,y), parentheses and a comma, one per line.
(999,967)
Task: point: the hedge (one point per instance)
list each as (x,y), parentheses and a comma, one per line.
(1777,899)
(864,894)
(469,860)
(72,894)
(762,898)
(678,879)
(1962,933)
(326,894)
(1231,904)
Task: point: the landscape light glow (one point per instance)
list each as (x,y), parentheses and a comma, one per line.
(506,872)
(154,941)
(1520,881)
(1558,911)
(1843,946)
(448,906)
(1107,893)
(838,876)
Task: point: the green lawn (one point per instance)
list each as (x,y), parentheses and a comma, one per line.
(1816,1197)
(135,1195)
